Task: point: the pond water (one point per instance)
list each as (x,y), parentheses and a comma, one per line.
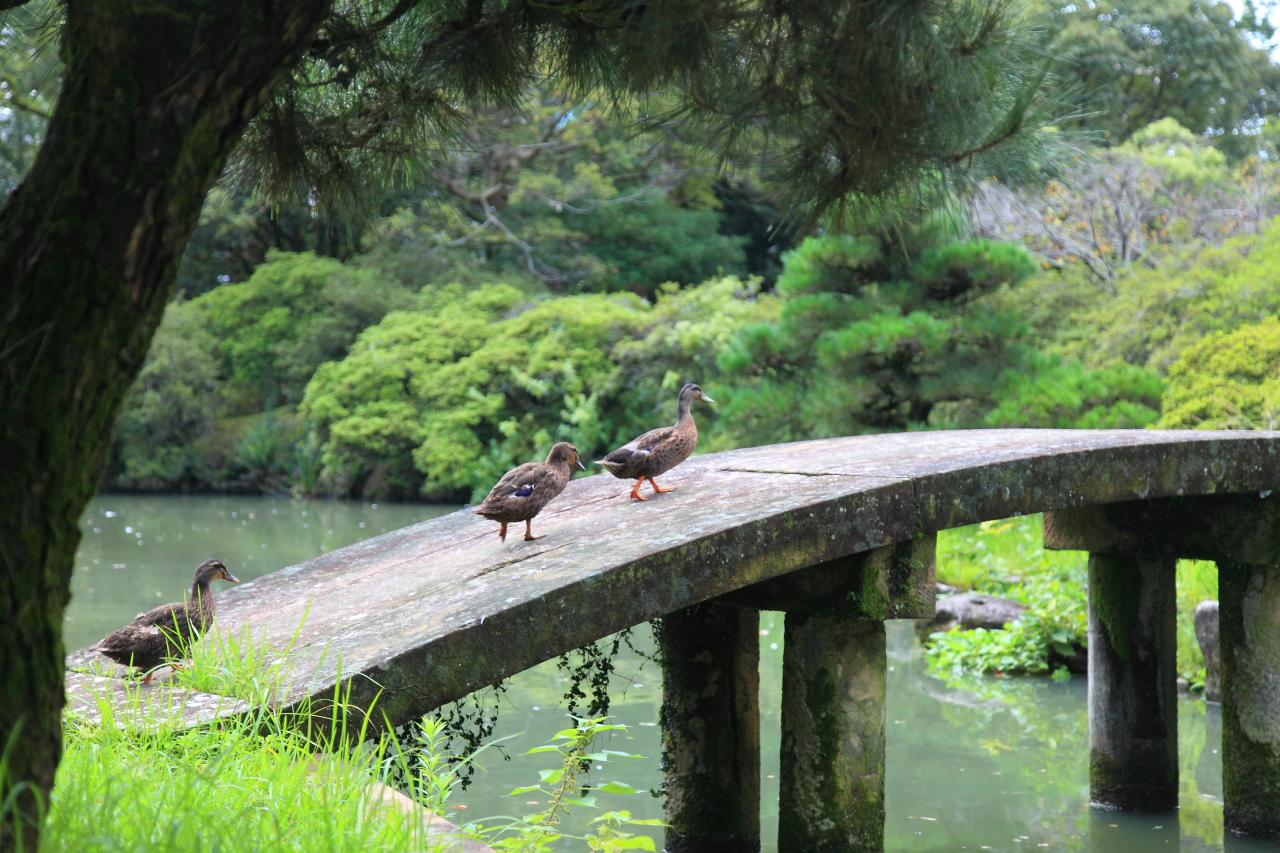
(988,764)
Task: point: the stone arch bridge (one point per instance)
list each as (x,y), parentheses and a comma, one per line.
(838,534)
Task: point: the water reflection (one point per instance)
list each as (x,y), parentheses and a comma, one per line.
(139,551)
(995,764)
(1110,832)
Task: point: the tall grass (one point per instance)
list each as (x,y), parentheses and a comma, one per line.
(252,782)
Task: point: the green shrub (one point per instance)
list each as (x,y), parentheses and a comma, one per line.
(1054,392)
(1007,558)
(445,398)
(441,400)
(294,313)
(162,438)
(1228,380)
(891,331)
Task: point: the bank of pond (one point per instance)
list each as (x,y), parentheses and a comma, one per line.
(973,761)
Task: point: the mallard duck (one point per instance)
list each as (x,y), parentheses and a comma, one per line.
(658,450)
(526,489)
(166,631)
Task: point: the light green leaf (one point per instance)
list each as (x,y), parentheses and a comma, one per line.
(526,789)
(616,788)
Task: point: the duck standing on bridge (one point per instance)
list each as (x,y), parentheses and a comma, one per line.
(658,450)
(526,489)
(168,630)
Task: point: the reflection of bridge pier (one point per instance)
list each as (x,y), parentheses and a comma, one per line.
(839,535)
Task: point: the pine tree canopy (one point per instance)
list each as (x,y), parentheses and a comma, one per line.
(827,97)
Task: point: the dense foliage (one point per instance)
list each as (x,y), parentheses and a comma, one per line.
(435,394)
(440,400)
(1228,380)
(891,331)
(1127,63)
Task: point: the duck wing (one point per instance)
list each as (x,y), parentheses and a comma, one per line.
(522,492)
(517,479)
(164,616)
(641,445)
(628,459)
(150,638)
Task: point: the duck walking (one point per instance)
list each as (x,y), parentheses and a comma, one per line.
(168,630)
(658,450)
(526,489)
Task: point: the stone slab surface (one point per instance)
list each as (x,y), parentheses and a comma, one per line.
(129,704)
(426,614)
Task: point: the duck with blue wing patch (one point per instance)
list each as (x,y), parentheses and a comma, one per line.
(526,489)
(658,450)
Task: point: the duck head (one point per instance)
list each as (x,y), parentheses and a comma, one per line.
(690,392)
(213,570)
(565,453)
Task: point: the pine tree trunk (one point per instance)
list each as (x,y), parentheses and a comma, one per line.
(156,93)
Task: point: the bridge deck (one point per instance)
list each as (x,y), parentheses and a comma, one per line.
(438,609)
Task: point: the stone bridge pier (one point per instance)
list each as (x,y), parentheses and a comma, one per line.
(1133,729)
(832,769)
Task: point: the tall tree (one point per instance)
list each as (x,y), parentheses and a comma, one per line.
(858,96)
(1129,63)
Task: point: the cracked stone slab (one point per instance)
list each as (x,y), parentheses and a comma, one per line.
(426,614)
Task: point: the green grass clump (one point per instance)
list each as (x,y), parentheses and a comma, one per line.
(265,780)
(252,785)
(1007,558)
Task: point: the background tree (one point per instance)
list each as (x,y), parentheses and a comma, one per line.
(1132,203)
(154,98)
(894,330)
(568,193)
(1128,63)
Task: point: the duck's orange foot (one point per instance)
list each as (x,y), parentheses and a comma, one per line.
(635,491)
(502,532)
(528,531)
(659,489)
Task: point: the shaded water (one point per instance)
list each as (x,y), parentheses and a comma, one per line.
(994,764)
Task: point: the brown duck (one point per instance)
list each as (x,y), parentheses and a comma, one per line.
(658,450)
(526,489)
(166,631)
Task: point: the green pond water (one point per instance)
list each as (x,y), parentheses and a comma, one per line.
(995,764)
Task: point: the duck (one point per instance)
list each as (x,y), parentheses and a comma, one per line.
(166,631)
(658,450)
(525,490)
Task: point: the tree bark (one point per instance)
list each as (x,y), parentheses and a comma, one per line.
(155,96)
